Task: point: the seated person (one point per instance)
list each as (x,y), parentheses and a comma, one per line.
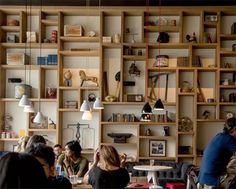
(36,139)
(22,144)
(21,171)
(45,155)
(106,171)
(71,161)
(57,149)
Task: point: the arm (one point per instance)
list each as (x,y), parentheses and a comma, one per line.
(94,164)
(82,167)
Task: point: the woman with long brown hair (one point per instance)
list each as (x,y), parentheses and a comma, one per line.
(107,172)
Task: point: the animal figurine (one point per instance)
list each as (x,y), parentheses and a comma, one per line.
(84,77)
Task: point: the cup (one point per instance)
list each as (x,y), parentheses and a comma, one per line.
(152,162)
(73,179)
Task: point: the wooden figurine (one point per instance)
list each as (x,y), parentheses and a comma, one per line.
(67,77)
(84,77)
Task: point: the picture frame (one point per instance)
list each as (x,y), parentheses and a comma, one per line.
(157,148)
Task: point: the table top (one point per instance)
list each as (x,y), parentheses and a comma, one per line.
(82,186)
(152,167)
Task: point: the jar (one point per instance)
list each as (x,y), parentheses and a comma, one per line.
(8,135)
(21,89)
(185,87)
(161,60)
(3,135)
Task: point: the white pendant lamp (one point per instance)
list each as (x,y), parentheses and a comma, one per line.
(87,115)
(38,118)
(85,106)
(98,104)
(24,101)
(29,109)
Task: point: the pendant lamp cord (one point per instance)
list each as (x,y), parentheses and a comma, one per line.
(146,21)
(159,50)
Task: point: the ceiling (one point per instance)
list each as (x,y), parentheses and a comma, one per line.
(121,2)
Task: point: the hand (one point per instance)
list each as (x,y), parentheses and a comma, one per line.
(66,161)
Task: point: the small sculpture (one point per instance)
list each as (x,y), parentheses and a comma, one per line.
(84,77)
(166,131)
(206,114)
(148,132)
(191,38)
(133,70)
(67,77)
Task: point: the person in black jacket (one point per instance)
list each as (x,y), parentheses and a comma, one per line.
(106,171)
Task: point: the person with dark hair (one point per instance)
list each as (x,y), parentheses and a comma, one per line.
(106,171)
(45,155)
(217,155)
(36,139)
(21,171)
(71,161)
(57,148)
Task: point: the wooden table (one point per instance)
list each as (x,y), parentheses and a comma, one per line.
(82,186)
(152,172)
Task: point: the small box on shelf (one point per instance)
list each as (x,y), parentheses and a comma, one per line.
(17,59)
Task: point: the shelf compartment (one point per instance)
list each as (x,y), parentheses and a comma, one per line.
(69,110)
(112,45)
(42,130)
(80,53)
(11,28)
(157,158)
(227,86)
(157,137)
(9,139)
(228,36)
(134,57)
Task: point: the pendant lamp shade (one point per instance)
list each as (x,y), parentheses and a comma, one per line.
(24,101)
(147,109)
(158,105)
(87,115)
(85,106)
(38,118)
(98,104)
(30,108)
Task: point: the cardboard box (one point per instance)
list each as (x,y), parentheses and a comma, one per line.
(17,59)
(73,30)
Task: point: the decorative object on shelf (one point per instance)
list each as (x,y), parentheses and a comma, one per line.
(233,28)
(52,59)
(157,148)
(84,77)
(227,65)
(166,131)
(211,18)
(163,37)
(12,38)
(130,51)
(225,82)
(14,80)
(148,132)
(91,34)
(183,61)
(210,100)
(145,117)
(71,104)
(6,119)
(133,70)
(31,37)
(185,87)
(234,47)
(41,60)
(22,89)
(185,124)
(91,97)
(54,36)
(229,114)
(206,114)
(232,97)
(17,59)
(116,38)
(134,98)
(116,97)
(119,137)
(110,98)
(192,39)
(222,98)
(51,124)
(184,150)
(73,30)
(106,39)
(200,95)
(51,92)
(196,61)
(13,22)
(67,78)
(119,117)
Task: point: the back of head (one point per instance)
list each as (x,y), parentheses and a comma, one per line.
(42,151)
(110,155)
(230,124)
(75,147)
(21,171)
(36,139)
(22,144)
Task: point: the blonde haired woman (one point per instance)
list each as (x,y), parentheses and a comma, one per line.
(22,144)
(106,171)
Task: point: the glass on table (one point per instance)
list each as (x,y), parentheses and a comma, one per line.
(73,179)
